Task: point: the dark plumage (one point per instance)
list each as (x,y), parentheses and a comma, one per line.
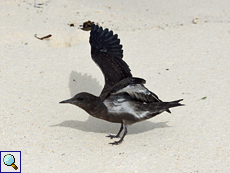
(124,99)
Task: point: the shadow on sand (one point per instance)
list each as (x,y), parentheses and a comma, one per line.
(101,126)
(79,82)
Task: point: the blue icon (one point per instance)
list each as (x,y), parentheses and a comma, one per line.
(9,160)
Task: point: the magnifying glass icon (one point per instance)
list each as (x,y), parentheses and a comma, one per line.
(9,160)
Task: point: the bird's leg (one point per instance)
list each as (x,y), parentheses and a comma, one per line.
(117,135)
(122,138)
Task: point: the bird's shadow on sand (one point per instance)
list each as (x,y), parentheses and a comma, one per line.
(79,82)
(99,126)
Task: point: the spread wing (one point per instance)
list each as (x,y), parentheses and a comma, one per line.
(107,53)
(136,89)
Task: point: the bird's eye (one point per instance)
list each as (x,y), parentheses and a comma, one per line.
(79,98)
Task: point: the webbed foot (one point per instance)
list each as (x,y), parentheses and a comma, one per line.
(113,136)
(116,142)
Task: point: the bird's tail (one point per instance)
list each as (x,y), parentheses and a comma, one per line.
(164,106)
(159,107)
(174,104)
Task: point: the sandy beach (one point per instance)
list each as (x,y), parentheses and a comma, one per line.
(181,48)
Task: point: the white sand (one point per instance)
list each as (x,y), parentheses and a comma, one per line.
(36,74)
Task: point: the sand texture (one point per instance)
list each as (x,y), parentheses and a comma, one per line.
(181,48)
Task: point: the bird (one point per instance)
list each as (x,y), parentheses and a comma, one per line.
(124,99)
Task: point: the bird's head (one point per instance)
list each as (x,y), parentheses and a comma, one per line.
(84,100)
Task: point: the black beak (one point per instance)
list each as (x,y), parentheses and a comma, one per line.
(66,101)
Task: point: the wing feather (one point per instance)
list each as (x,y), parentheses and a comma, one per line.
(136,89)
(107,53)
